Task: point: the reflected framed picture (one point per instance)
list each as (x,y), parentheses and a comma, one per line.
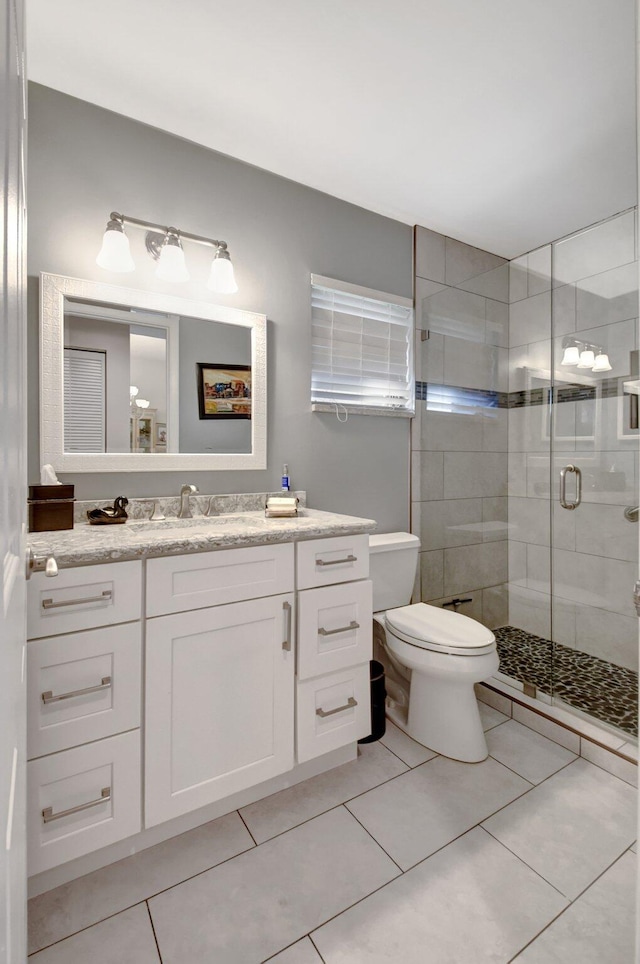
(224,391)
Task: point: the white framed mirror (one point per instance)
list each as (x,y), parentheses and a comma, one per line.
(133,380)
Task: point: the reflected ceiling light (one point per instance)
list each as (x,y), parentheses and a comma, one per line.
(587,358)
(164,244)
(602,363)
(115,254)
(571,354)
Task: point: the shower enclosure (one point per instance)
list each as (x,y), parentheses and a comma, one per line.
(525,458)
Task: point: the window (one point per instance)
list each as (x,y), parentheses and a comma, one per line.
(362,350)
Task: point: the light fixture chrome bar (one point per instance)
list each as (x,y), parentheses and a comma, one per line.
(164,229)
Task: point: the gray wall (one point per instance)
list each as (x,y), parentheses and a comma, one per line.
(85,162)
(204,341)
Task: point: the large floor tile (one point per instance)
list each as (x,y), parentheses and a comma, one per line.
(426,808)
(490,717)
(530,754)
(472,902)
(571,827)
(288,808)
(126,937)
(303,952)
(598,927)
(91,898)
(262,901)
(412,753)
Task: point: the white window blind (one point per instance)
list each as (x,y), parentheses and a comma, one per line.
(362,350)
(84,400)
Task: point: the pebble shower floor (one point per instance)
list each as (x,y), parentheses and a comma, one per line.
(603,690)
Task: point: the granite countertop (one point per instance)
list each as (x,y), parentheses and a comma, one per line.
(137,539)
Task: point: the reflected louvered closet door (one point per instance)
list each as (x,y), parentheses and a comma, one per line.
(84,400)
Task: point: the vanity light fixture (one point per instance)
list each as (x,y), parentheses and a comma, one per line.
(582,355)
(164,244)
(571,354)
(602,363)
(587,357)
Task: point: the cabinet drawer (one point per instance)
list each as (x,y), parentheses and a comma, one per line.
(82,687)
(180,583)
(82,799)
(334,628)
(83,598)
(332,711)
(324,562)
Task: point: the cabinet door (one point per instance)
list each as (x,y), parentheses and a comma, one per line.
(334,628)
(219,703)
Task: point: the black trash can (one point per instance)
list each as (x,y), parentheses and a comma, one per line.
(378,696)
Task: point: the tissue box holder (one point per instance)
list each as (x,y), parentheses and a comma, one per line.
(281,507)
(50,507)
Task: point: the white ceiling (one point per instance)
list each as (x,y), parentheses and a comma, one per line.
(503,123)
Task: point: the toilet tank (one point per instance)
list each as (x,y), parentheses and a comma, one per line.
(393,558)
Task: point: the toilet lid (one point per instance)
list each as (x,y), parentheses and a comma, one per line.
(431,627)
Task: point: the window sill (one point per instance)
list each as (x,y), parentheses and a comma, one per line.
(330,408)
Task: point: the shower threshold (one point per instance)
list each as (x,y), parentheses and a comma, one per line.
(594,687)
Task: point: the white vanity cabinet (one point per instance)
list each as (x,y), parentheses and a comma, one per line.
(83,697)
(333,706)
(220,664)
(256,659)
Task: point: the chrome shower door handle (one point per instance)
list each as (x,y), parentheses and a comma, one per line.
(563,487)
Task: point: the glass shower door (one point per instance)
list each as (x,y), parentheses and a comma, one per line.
(594,473)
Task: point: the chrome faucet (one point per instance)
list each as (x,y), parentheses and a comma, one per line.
(186,491)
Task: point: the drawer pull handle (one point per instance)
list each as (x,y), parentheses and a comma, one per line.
(286,642)
(48,815)
(343,629)
(103,597)
(336,562)
(105,684)
(347,706)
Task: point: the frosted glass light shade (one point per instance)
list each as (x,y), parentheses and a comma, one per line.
(587,359)
(115,254)
(171,263)
(602,363)
(571,356)
(221,278)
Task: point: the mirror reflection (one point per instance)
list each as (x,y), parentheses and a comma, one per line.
(148,382)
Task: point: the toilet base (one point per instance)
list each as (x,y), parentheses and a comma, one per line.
(444,716)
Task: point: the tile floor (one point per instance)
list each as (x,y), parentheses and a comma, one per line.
(398,856)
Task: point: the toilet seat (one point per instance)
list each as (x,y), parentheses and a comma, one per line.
(435,629)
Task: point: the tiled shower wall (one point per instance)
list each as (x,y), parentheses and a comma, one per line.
(483,432)
(459,435)
(594,297)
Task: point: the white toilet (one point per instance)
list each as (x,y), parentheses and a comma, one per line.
(445,652)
